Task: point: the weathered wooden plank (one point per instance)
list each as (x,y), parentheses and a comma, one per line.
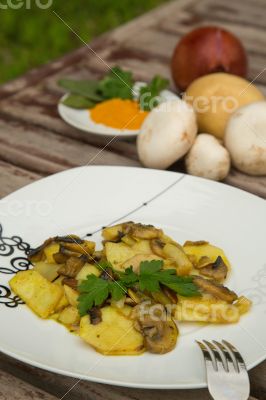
(39,150)
(58,385)
(15,389)
(13,178)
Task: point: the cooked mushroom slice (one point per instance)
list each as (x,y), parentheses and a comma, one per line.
(141,231)
(68,239)
(107,274)
(203,262)
(72,266)
(196,243)
(217,270)
(95,315)
(160,336)
(60,258)
(219,291)
(157,246)
(71,282)
(85,247)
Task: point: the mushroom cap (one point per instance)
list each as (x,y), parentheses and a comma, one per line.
(166,134)
(245,138)
(208,158)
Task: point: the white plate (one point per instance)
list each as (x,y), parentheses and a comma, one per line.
(81,118)
(81,201)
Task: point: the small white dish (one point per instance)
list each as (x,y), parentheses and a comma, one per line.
(81,119)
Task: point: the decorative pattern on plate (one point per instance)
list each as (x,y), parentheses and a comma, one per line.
(8,247)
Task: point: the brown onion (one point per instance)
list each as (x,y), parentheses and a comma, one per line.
(206,50)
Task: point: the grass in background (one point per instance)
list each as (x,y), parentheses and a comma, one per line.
(31,37)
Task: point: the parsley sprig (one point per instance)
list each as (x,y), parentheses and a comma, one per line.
(95,290)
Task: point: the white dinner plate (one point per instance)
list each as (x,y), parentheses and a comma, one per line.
(84,199)
(81,118)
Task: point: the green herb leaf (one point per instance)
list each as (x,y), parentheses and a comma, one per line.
(117,290)
(148,94)
(117,83)
(128,278)
(78,102)
(94,291)
(85,88)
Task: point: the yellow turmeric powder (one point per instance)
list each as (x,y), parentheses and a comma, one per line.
(118,113)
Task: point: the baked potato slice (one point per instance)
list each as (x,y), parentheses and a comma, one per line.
(198,251)
(176,253)
(114,335)
(38,293)
(118,253)
(86,270)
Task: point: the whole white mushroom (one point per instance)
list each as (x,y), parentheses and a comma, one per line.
(166,134)
(208,158)
(245,138)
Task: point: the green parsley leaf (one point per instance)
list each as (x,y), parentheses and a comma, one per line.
(117,83)
(94,291)
(128,277)
(148,95)
(117,290)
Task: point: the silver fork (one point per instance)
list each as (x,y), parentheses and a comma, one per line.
(226,371)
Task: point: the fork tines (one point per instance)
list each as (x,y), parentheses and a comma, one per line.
(222,355)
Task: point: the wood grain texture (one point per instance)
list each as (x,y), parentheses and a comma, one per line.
(16,389)
(35,142)
(58,385)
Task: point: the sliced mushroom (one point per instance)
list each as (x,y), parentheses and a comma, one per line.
(71,282)
(219,291)
(160,335)
(203,262)
(217,270)
(142,231)
(72,266)
(95,315)
(37,253)
(157,246)
(196,243)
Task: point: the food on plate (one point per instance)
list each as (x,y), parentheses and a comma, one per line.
(128,297)
(167,134)
(216,96)
(119,113)
(206,50)
(245,138)
(208,158)
(117,85)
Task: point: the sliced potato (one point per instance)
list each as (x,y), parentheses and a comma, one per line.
(205,250)
(38,293)
(115,335)
(135,261)
(243,304)
(71,295)
(86,270)
(69,316)
(176,253)
(47,270)
(118,253)
(206,310)
(112,232)
(49,252)
(63,302)
(142,246)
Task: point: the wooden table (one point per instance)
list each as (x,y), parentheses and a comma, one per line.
(35,142)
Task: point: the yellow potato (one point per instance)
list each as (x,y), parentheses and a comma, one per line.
(205,250)
(243,304)
(71,295)
(197,309)
(69,316)
(63,302)
(177,254)
(216,96)
(86,270)
(115,335)
(38,293)
(47,270)
(118,253)
(135,261)
(49,252)
(112,232)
